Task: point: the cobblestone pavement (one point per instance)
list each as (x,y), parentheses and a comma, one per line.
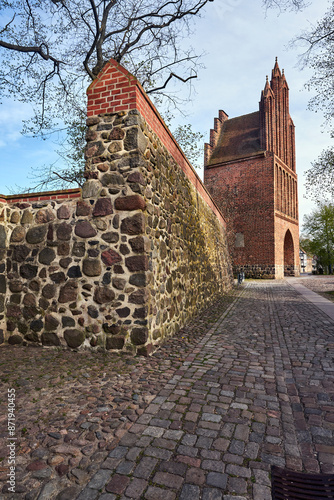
(73,407)
(256,389)
(324,285)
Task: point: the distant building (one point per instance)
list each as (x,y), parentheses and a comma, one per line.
(308,263)
(250,171)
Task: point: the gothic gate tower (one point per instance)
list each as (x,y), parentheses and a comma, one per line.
(250,171)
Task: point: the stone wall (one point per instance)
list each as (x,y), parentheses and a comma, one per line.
(129,260)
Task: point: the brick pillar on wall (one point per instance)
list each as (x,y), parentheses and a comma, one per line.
(133,159)
(127,260)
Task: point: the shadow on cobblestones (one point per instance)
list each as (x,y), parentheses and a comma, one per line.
(73,407)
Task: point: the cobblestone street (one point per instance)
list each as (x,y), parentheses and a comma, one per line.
(256,390)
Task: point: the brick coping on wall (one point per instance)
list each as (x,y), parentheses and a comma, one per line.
(116,90)
(41,196)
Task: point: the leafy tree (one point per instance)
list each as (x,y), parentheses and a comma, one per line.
(319,56)
(191,143)
(320,178)
(319,226)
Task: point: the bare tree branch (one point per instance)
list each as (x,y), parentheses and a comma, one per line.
(8,24)
(172,75)
(37,50)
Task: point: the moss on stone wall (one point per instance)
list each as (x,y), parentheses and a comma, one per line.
(122,267)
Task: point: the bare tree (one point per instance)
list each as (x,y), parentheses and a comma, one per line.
(285,4)
(52,49)
(320,178)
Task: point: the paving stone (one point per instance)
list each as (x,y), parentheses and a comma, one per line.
(261,492)
(173,434)
(236,470)
(227,430)
(136,488)
(195,476)
(204,442)
(210,454)
(237,447)
(164,443)
(241,432)
(252,450)
(188,451)
(216,479)
(189,439)
(212,494)
(119,452)
(262,477)
(159,422)
(125,467)
(190,492)
(213,465)
(88,494)
(68,493)
(207,433)
(100,479)
(117,484)
(221,444)
(210,417)
(154,493)
(162,454)
(128,440)
(234,497)
(133,453)
(193,462)
(144,441)
(145,467)
(237,485)
(169,480)
(233,459)
(153,431)
(173,467)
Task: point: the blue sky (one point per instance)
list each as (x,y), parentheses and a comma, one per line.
(241,42)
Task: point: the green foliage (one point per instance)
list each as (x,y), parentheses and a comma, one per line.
(319,227)
(320,178)
(192,144)
(320,57)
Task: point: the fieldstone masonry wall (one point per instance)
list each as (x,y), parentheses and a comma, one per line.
(122,266)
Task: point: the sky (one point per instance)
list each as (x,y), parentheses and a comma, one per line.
(240,41)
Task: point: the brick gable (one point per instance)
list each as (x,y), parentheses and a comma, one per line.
(250,171)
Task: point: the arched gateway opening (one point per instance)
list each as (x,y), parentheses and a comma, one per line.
(289,255)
